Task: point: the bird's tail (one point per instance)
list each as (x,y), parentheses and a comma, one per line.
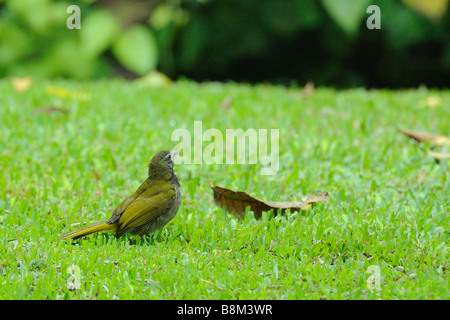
(96,227)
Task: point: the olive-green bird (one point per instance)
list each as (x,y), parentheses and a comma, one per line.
(150,208)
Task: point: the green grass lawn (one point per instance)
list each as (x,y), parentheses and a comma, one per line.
(389,208)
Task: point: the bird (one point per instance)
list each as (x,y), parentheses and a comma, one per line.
(148,209)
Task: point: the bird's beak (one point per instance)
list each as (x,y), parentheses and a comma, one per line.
(173,154)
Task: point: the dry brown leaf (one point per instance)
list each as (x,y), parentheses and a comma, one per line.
(422,136)
(431,102)
(308,89)
(50,109)
(236,201)
(21,84)
(439,155)
(226,103)
(96,174)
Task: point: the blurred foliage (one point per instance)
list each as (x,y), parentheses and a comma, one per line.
(280,41)
(35,39)
(324,41)
(434,9)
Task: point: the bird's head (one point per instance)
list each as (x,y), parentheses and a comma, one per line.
(161,165)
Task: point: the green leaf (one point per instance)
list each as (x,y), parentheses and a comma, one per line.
(347,14)
(137,50)
(40,15)
(15,43)
(98,31)
(65,58)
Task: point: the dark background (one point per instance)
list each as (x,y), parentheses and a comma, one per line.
(274,41)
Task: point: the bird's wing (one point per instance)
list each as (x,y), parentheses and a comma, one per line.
(121,208)
(125,203)
(149,205)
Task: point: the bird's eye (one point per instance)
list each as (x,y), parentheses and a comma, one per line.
(168,157)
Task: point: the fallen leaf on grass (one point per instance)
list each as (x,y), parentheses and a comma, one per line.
(236,201)
(21,84)
(439,155)
(226,103)
(49,109)
(438,140)
(308,89)
(431,102)
(422,136)
(96,174)
(65,93)
(154,79)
